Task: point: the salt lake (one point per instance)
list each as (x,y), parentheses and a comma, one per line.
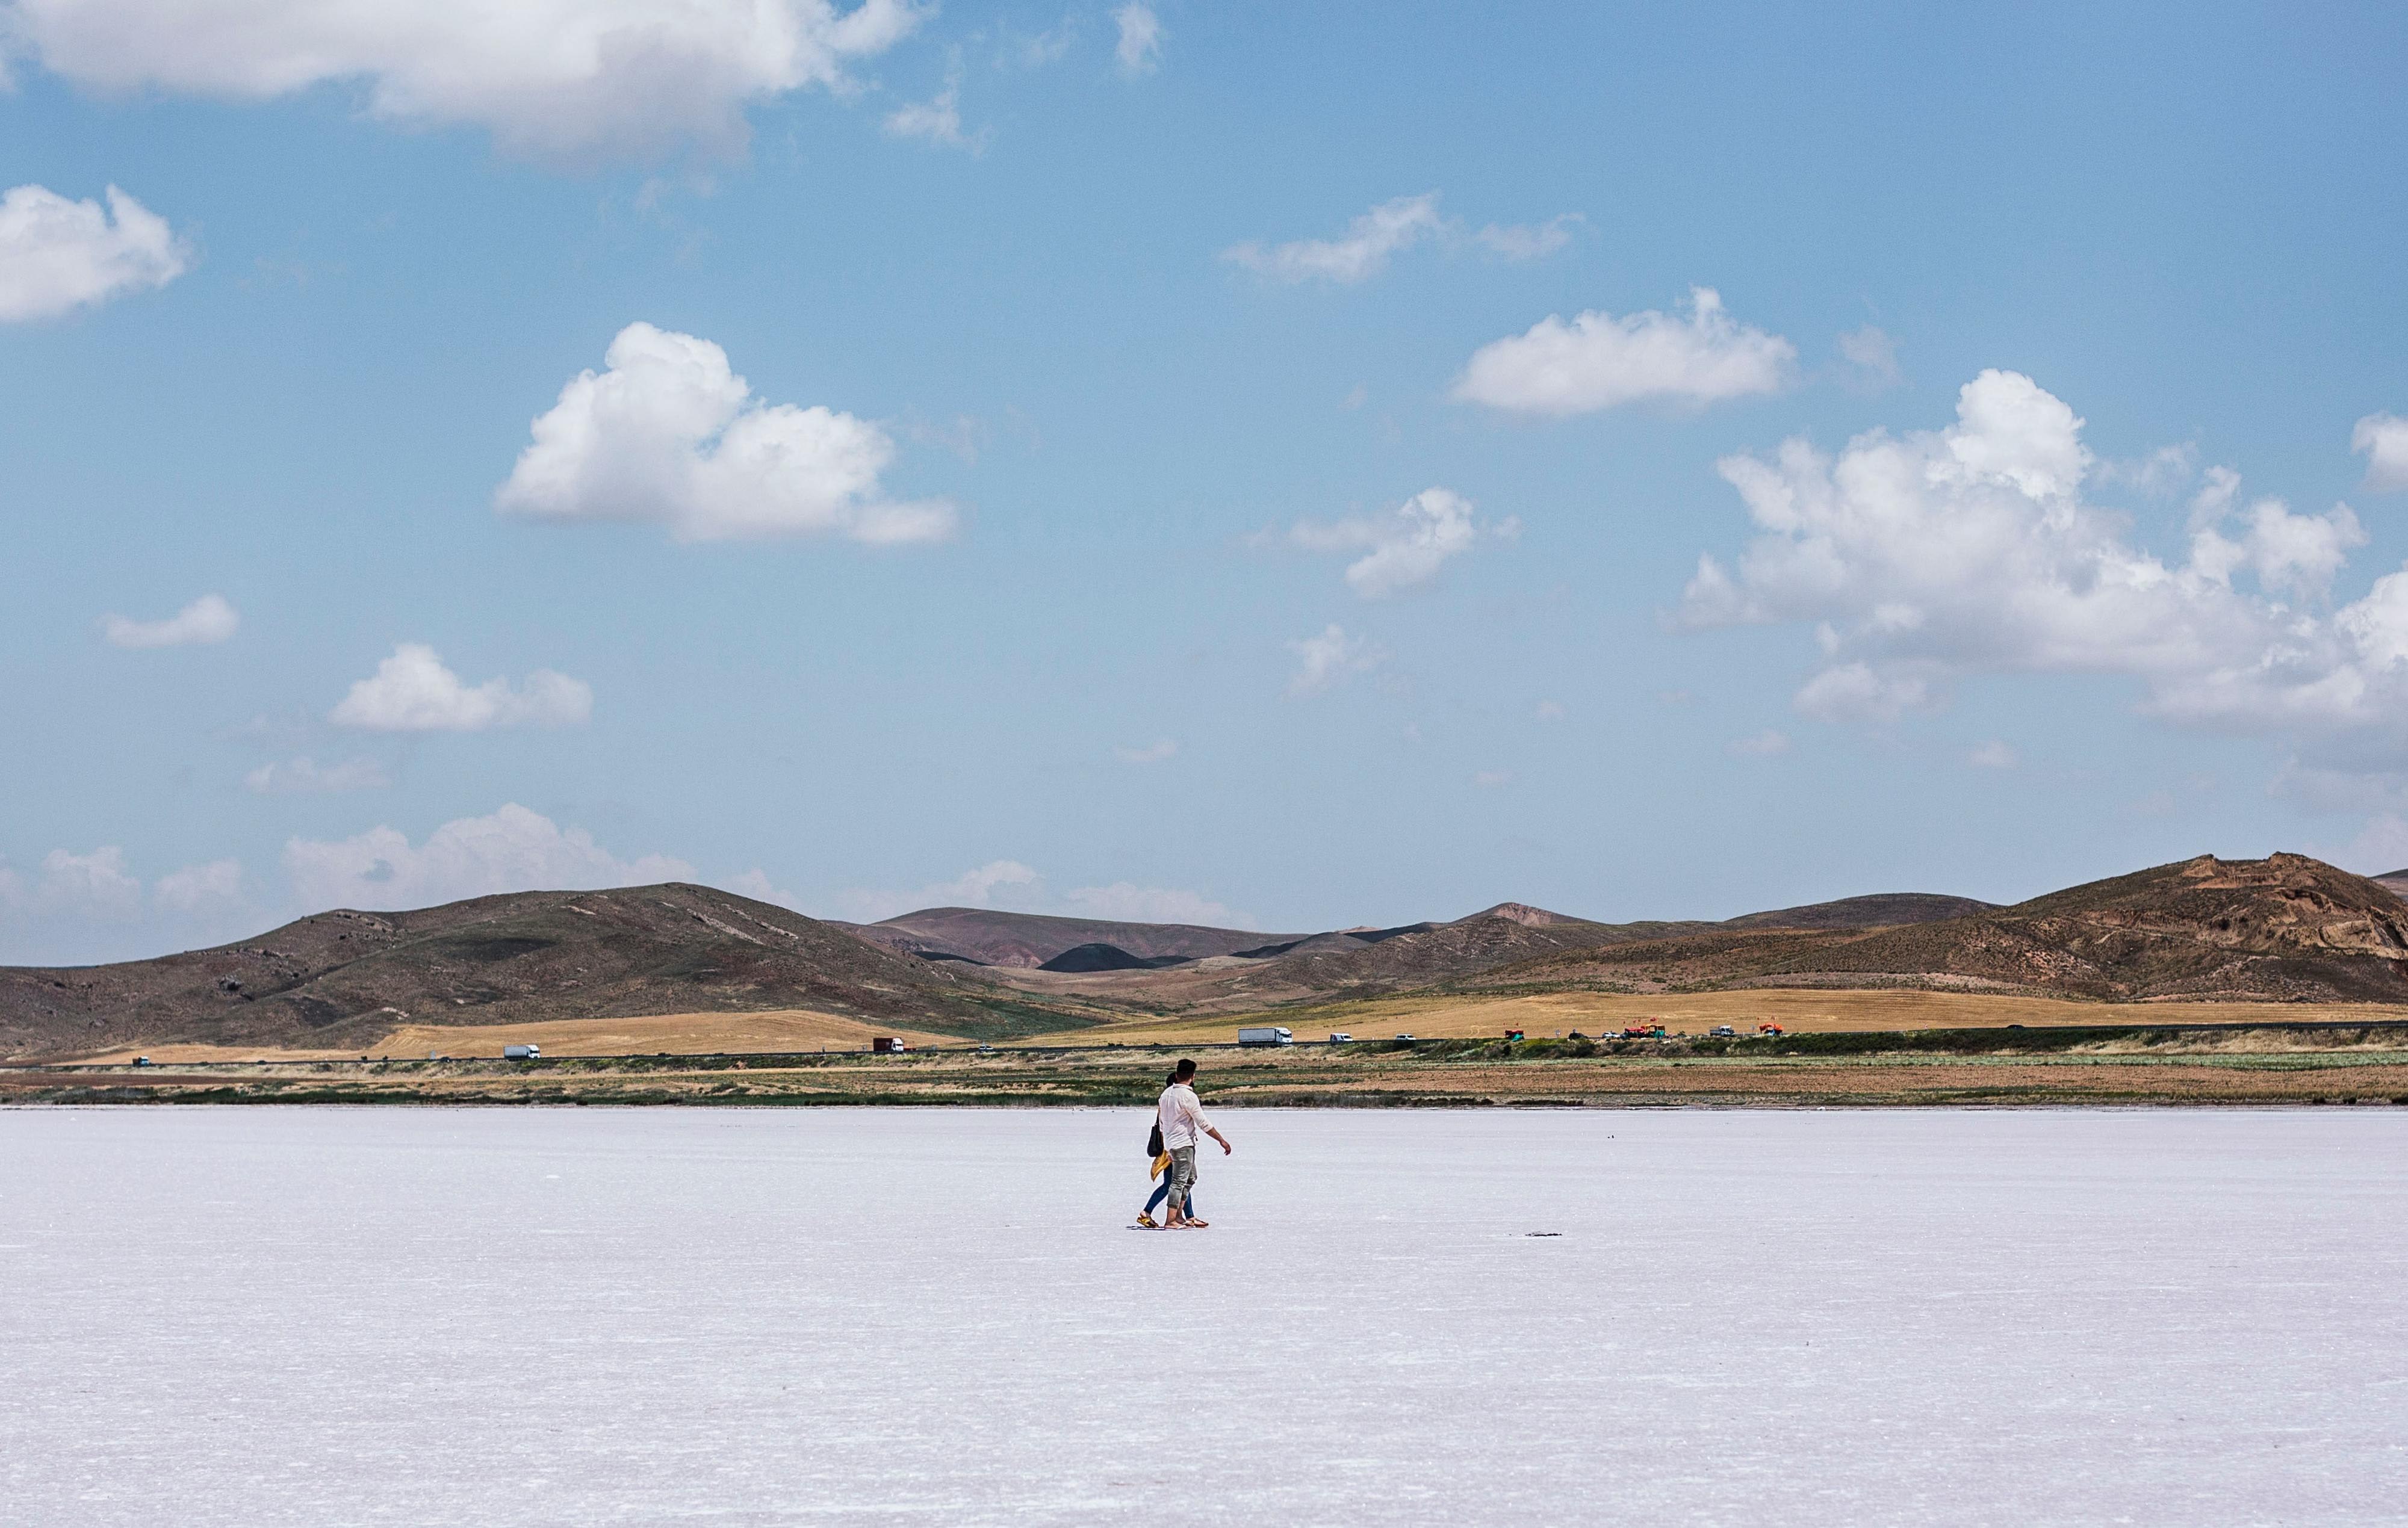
(266,1316)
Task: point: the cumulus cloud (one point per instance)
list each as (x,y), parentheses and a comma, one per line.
(93,885)
(1151,753)
(1361,252)
(668,433)
(57,255)
(1140,48)
(209,619)
(1406,549)
(199,889)
(995,883)
(1921,557)
(1329,659)
(413,691)
(1763,745)
(514,849)
(2383,440)
(575,80)
(1599,361)
(303,777)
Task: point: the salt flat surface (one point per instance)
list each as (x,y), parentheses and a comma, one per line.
(267,1316)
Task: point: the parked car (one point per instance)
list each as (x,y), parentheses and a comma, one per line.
(1339,1036)
(1722,1032)
(1773,1030)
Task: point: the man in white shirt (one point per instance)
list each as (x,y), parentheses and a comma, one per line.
(1183,1124)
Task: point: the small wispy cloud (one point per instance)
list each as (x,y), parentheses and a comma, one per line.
(1528,240)
(209,619)
(1140,48)
(1329,659)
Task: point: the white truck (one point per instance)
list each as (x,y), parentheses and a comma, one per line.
(1266,1034)
(521,1053)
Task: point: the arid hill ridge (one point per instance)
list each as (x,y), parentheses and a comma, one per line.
(2283,928)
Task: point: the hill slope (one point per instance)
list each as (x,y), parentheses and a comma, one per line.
(1030,939)
(2283,928)
(343,979)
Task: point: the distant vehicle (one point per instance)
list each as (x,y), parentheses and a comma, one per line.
(889,1045)
(1512,1033)
(1266,1034)
(1404,1036)
(1643,1032)
(141,1060)
(523,1053)
(1775,1030)
(1339,1036)
(1724,1031)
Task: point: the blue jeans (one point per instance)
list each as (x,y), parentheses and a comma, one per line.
(1162,1192)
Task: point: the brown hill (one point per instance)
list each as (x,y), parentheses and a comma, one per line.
(1030,939)
(1867,912)
(2283,928)
(344,978)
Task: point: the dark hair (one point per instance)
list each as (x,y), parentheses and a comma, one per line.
(1184,1070)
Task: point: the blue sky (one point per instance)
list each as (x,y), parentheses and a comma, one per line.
(1195,461)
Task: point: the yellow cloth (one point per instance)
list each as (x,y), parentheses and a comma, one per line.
(1161,1164)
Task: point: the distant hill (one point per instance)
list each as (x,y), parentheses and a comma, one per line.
(2283,928)
(345,977)
(2394,882)
(1030,939)
(1867,911)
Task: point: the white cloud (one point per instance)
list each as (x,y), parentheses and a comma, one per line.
(1406,549)
(2383,440)
(575,80)
(1599,361)
(209,619)
(668,433)
(1766,744)
(1360,253)
(93,885)
(1992,755)
(303,777)
(413,691)
(997,883)
(200,888)
(938,119)
(1329,658)
(1123,902)
(1529,241)
(57,255)
(1873,353)
(2160,472)
(2379,848)
(1151,753)
(756,883)
(514,849)
(1922,558)
(1140,48)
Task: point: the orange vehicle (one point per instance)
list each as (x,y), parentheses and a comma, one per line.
(1643,1032)
(1773,1030)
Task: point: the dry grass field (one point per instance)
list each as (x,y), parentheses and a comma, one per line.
(1798,1011)
(677,1034)
(2132,1067)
